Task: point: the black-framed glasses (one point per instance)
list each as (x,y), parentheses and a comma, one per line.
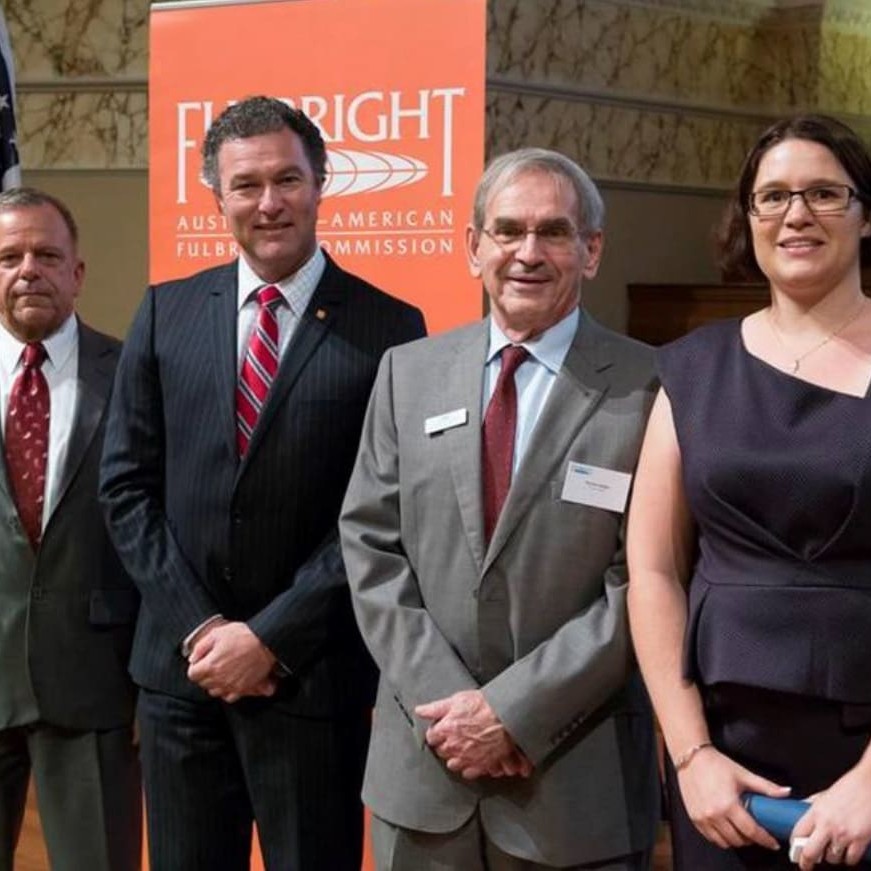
(822,199)
(555,235)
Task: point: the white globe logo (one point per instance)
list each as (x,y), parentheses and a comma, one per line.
(355,172)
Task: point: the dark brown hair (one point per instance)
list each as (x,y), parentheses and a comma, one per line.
(256,116)
(734,242)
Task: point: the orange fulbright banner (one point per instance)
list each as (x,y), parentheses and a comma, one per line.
(397,88)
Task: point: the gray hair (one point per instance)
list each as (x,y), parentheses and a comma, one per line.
(504,169)
(256,116)
(29,198)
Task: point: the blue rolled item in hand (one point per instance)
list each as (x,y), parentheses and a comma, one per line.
(778,815)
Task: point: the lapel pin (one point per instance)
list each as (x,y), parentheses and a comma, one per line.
(320,314)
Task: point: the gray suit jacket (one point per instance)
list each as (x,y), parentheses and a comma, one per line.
(67,612)
(538,619)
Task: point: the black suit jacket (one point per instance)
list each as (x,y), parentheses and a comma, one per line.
(203,533)
(69,609)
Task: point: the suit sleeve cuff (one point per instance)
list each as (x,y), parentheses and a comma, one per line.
(187,645)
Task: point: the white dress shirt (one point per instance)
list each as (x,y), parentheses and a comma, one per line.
(61,370)
(297,291)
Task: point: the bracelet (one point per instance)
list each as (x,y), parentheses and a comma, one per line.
(687,756)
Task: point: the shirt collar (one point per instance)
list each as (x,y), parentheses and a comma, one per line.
(58,346)
(297,289)
(549,348)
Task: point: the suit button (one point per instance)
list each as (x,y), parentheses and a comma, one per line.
(237,518)
(14,523)
(37,594)
(228,574)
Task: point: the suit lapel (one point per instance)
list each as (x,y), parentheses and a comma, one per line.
(223,316)
(463,391)
(576,393)
(96,367)
(312,329)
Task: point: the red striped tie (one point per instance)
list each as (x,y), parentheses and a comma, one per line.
(259,366)
(26,442)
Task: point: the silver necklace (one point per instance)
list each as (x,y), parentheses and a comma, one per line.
(797,361)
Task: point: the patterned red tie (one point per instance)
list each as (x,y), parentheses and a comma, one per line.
(259,366)
(26,440)
(497,442)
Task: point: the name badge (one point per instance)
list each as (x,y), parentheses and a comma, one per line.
(448,420)
(600,488)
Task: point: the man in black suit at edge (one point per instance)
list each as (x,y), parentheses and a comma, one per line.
(67,608)
(232,432)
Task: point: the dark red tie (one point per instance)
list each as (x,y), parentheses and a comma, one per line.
(259,366)
(26,440)
(497,443)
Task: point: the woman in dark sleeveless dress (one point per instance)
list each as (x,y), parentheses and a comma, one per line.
(750,528)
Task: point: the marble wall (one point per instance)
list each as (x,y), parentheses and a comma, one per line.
(82,88)
(662,92)
(670,92)
(82,134)
(659,99)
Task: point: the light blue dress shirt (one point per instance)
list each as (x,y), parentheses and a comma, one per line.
(534,378)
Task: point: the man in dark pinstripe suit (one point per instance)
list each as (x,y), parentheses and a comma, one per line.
(255,686)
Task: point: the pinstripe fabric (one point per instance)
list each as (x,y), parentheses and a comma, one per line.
(203,532)
(320,754)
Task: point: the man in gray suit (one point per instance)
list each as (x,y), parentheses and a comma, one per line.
(67,608)
(483,537)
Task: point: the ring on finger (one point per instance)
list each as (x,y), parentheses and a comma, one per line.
(836,851)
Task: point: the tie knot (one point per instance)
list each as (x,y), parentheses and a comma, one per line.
(512,357)
(34,355)
(269,296)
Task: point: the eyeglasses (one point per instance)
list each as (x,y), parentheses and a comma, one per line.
(821,200)
(554,235)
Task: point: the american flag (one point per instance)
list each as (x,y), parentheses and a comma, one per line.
(10,166)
